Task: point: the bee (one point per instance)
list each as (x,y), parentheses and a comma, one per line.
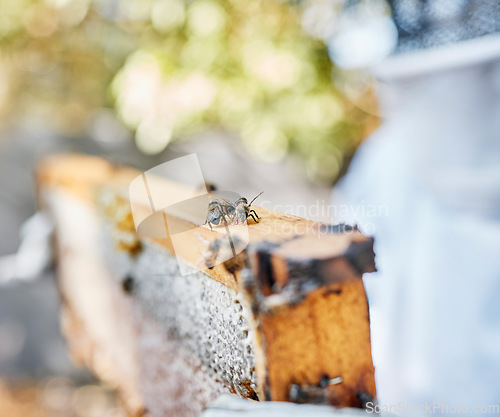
(211,254)
(224,212)
(243,210)
(219,210)
(211,187)
(225,250)
(322,393)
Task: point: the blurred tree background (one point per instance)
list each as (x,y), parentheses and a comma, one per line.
(166,69)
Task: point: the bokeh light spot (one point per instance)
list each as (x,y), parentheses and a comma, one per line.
(153,135)
(167,15)
(206,17)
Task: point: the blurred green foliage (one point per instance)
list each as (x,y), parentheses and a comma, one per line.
(173,67)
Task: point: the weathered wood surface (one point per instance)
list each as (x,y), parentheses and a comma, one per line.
(299,286)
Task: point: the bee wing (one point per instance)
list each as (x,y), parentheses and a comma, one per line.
(212,216)
(218,211)
(225,206)
(214,211)
(221,201)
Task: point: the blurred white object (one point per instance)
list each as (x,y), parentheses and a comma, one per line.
(431,175)
(358,33)
(34,253)
(228,405)
(362,40)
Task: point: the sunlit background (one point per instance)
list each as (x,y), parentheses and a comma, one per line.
(168,69)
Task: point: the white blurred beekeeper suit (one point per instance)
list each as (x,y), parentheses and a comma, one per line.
(426,184)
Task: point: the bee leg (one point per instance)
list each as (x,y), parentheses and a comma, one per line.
(210,224)
(225,219)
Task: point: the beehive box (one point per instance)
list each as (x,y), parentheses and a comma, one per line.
(285,320)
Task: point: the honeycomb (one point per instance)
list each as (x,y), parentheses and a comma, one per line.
(200,314)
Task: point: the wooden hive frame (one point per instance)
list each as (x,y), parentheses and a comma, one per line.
(298,282)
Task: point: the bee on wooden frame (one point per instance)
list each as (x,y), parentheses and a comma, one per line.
(224,212)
